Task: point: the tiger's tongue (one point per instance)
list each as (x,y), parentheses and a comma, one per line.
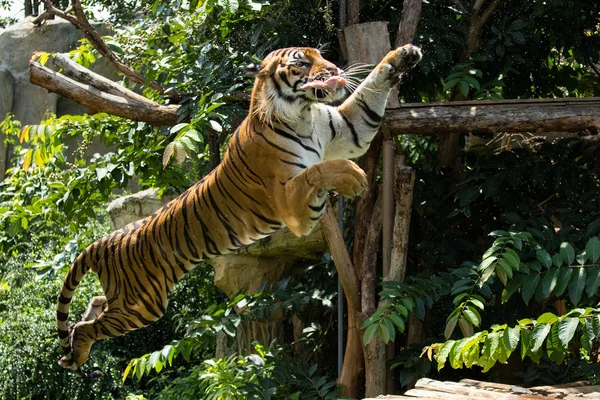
(330,85)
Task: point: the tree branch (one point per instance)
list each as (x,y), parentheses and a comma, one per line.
(84,75)
(98,101)
(80,21)
(411,14)
(477,23)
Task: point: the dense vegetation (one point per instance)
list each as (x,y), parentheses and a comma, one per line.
(507,243)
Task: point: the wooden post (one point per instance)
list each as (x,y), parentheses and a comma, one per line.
(369,43)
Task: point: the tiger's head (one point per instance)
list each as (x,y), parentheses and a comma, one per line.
(288,80)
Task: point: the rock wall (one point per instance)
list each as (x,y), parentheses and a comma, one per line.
(28,102)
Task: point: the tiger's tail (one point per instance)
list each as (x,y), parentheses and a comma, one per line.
(77,271)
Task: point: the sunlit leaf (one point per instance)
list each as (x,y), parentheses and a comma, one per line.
(539,335)
(567,252)
(566,330)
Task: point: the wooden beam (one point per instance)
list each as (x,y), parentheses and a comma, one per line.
(484,117)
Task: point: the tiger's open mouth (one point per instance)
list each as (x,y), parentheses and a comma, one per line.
(324,87)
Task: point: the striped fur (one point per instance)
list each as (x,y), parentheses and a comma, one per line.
(291,149)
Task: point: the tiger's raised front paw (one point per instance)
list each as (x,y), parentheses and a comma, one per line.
(398,61)
(407,57)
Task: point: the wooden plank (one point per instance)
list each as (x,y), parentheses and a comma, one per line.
(460,390)
(432,394)
(563,385)
(493,385)
(569,389)
(484,117)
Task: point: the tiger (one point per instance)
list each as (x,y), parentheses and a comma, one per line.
(293,147)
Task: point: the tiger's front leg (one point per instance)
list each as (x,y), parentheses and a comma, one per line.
(355,122)
(303,198)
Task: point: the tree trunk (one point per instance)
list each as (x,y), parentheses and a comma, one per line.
(353,366)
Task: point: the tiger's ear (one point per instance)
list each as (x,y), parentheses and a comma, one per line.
(253,68)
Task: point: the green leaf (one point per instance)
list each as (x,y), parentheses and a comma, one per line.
(474,83)
(370,334)
(463,88)
(596,324)
(592,249)
(179,127)
(468,195)
(553,347)
(563,281)
(399,322)
(167,154)
(567,252)
(465,327)
(140,367)
(525,342)
(577,285)
(442,355)
(450,84)
(501,271)
(154,358)
(517,25)
(587,335)
(544,258)
(547,318)
(593,281)
(566,330)
(492,250)
(511,338)
(127,370)
(557,260)
(512,258)
(549,282)
(529,287)
(215,125)
(538,336)
(450,325)
(383,332)
(513,286)
(472,316)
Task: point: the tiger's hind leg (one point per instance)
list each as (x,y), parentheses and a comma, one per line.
(97,305)
(84,333)
(112,321)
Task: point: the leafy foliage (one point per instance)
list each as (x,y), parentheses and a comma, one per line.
(404,298)
(222,318)
(556,335)
(542,206)
(267,374)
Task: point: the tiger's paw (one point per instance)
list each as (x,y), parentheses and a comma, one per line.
(398,61)
(347,178)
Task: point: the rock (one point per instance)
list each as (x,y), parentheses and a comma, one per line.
(127,209)
(7,85)
(30,103)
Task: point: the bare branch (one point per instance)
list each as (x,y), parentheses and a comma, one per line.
(80,21)
(84,75)
(99,101)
